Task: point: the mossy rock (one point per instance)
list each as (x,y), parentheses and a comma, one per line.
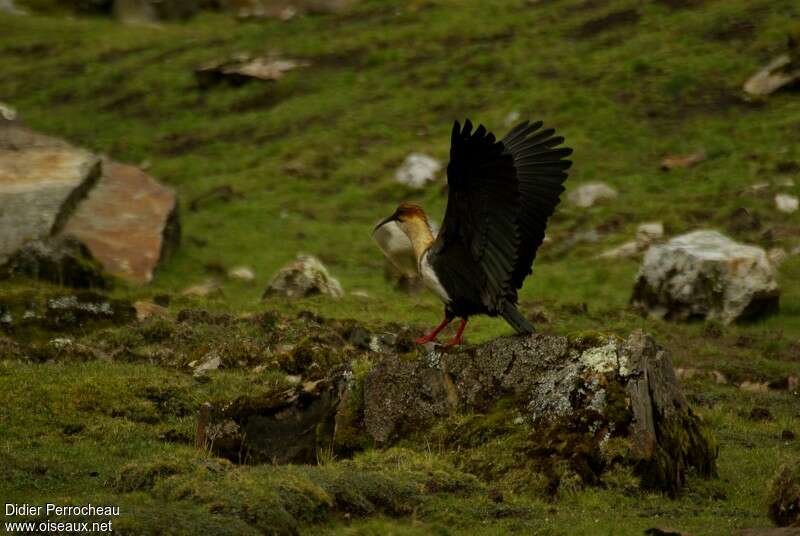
(784,495)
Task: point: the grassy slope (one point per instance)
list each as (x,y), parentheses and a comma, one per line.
(313,157)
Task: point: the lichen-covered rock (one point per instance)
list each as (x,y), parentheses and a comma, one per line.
(577,397)
(303,277)
(784,496)
(704,274)
(59,260)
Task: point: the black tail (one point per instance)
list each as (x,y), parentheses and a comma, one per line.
(516,320)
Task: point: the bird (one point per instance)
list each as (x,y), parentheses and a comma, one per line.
(500,196)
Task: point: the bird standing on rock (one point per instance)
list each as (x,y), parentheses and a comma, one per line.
(500,195)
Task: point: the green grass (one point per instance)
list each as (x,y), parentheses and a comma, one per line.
(312,157)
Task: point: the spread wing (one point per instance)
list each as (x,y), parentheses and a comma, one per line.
(483,207)
(501,194)
(541,171)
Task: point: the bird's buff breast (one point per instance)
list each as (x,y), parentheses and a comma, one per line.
(429,278)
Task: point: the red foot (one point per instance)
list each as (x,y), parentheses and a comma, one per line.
(433,334)
(458,339)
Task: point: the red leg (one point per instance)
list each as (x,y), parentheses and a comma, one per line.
(432,335)
(457,339)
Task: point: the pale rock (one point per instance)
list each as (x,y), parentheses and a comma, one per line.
(628,249)
(418,170)
(777,256)
(705,274)
(8,6)
(242,273)
(202,290)
(591,193)
(511,119)
(42,180)
(778,73)
(146,309)
(647,233)
(786,203)
(211,361)
(7,113)
(305,276)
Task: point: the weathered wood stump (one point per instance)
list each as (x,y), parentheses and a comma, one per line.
(588,403)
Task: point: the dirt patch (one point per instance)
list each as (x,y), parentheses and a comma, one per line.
(615,19)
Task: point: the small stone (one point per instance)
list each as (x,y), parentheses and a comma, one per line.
(758,188)
(628,249)
(777,74)
(243,68)
(589,194)
(7,113)
(8,6)
(719,377)
(418,170)
(146,309)
(303,277)
(786,203)
(202,289)
(647,233)
(209,362)
(777,256)
(511,119)
(682,161)
(754,387)
(242,273)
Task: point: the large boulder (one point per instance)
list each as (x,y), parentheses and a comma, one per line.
(129,222)
(48,188)
(705,274)
(306,276)
(42,180)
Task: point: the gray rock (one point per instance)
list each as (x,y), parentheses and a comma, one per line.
(591,193)
(704,274)
(42,180)
(780,72)
(303,277)
(553,381)
(418,170)
(786,203)
(243,68)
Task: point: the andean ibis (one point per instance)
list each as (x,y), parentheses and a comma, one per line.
(500,196)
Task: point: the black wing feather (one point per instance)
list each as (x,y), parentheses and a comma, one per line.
(500,195)
(482,208)
(541,172)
